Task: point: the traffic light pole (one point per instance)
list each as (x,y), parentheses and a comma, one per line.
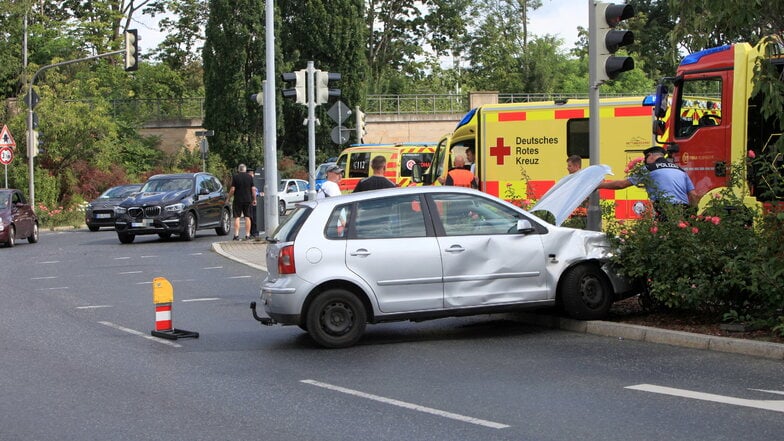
(594,213)
(30,140)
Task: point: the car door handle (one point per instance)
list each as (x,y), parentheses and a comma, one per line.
(361,252)
(455,249)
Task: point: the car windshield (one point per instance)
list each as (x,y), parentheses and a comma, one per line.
(167,184)
(118,192)
(4,201)
(285,184)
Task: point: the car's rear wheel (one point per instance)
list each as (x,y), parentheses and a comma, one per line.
(188,227)
(336,319)
(93,228)
(586,293)
(11,237)
(33,238)
(126,237)
(225,223)
(282,208)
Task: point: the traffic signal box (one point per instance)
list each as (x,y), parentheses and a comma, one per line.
(608,40)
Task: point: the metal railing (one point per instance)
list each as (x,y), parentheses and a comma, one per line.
(416,103)
(159,109)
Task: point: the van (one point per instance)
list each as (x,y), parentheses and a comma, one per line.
(401,157)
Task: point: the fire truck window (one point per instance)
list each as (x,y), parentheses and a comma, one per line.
(699,106)
(359,165)
(577,137)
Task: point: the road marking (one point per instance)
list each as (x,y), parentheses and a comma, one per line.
(93,306)
(213,267)
(195,254)
(147,257)
(774,405)
(183,280)
(122,258)
(239,277)
(144,283)
(205,299)
(50,261)
(55,287)
(42,278)
(130,272)
(403,404)
(141,334)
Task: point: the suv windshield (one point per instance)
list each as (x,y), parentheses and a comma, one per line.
(168,184)
(117,192)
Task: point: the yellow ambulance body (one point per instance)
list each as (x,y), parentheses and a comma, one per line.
(521,148)
(355,161)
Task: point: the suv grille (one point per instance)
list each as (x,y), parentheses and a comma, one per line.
(146,211)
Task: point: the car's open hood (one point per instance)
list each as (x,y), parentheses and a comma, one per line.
(568,193)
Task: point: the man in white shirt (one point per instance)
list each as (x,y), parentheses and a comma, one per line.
(330,187)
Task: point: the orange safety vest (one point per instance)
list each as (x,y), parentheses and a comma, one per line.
(461,177)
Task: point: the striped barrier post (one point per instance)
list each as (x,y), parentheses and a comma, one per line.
(163,297)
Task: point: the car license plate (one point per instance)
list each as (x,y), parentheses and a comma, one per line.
(102,215)
(143,223)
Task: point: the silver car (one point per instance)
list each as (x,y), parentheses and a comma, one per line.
(420,253)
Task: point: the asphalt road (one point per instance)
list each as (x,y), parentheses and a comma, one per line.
(77,362)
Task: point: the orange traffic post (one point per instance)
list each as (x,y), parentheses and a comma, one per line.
(163,297)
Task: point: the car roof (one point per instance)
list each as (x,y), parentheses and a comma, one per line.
(365,195)
(178,175)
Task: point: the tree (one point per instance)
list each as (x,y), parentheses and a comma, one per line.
(233,67)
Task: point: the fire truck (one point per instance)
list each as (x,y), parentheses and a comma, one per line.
(718,121)
(521,148)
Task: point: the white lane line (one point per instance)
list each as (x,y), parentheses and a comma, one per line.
(183,280)
(403,404)
(147,257)
(43,278)
(55,287)
(50,261)
(130,272)
(93,306)
(141,334)
(205,299)
(195,254)
(122,258)
(774,405)
(239,277)
(213,267)
(144,283)
(777,392)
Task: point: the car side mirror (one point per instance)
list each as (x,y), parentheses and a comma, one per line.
(524,226)
(416,173)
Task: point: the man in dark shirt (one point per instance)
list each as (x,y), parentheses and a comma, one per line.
(377,181)
(244,193)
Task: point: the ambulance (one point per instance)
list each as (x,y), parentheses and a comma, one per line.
(521,148)
(401,157)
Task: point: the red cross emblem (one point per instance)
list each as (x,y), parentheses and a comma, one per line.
(500,151)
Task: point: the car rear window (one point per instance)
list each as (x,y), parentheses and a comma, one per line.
(288,229)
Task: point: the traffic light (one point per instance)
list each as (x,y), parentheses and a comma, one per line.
(131,50)
(605,18)
(323,92)
(36,142)
(360,124)
(258,98)
(298,80)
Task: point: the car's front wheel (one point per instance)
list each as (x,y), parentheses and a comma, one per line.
(225,223)
(33,238)
(188,227)
(585,292)
(126,237)
(336,319)
(11,237)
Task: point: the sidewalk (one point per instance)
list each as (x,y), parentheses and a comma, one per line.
(253,254)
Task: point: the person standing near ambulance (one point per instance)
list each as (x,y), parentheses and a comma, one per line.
(459,176)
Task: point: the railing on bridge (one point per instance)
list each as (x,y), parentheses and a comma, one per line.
(186,108)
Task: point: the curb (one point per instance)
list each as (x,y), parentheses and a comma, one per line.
(774,351)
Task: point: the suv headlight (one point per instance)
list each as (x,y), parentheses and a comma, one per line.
(175,208)
(120,210)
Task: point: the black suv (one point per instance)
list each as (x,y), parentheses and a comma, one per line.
(174,204)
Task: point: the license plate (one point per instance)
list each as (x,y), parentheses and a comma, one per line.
(143,223)
(102,215)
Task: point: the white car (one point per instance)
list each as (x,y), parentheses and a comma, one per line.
(290,192)
(420,253)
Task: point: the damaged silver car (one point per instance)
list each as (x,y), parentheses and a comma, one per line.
(422,253)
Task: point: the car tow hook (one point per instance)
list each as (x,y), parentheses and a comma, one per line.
(266,321)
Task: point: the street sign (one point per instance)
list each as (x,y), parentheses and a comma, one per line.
(6,155)
(6,140)
(340,134)
(338,112)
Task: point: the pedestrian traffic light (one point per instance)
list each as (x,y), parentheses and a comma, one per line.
(360,124)
(607,40)
(323,92)
(297,79)
(131,50)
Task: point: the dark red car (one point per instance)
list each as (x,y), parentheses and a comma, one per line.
(17,218)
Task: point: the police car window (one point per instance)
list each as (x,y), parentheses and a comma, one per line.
(389,218)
